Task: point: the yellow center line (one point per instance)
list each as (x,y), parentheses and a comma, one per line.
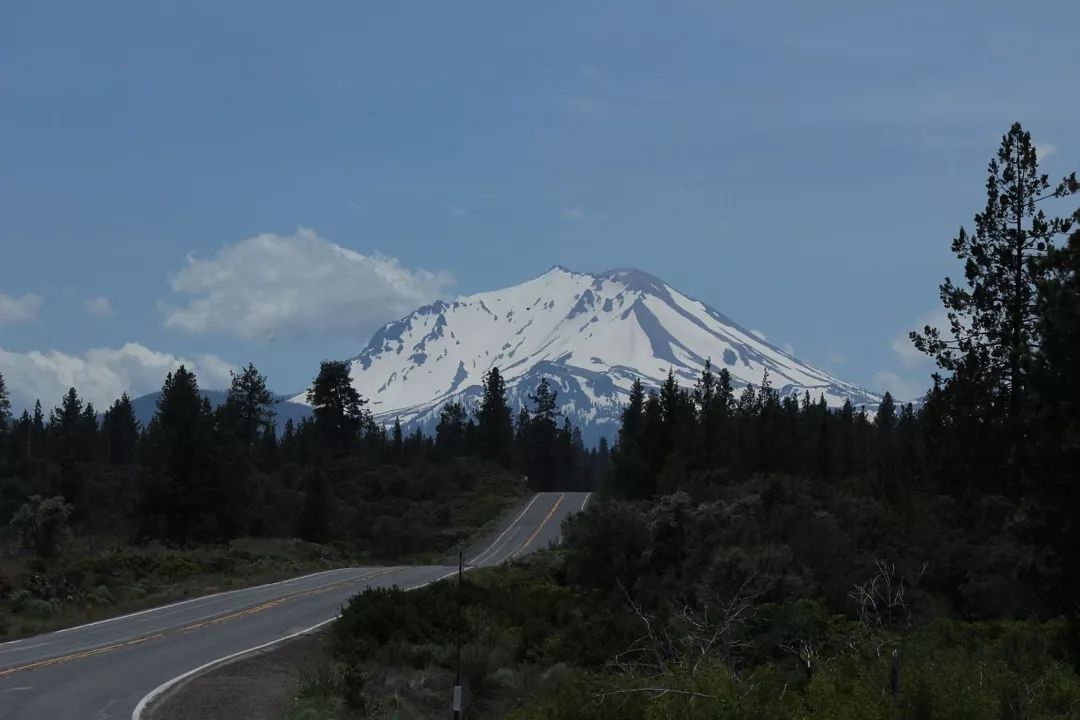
(161,636)
(528,540)
(76,656)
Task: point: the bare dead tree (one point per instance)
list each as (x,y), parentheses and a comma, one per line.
(688,639)
(883,608)
(881,600)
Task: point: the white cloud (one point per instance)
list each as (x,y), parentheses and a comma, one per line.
(1045,150)
(455,209)
(573,213)
(908,377)
(759,335)
(98,306)
(905,351)
(100,374)
(272,286)
(18,309)
(788,348)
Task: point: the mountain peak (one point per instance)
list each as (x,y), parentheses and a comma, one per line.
(590,334)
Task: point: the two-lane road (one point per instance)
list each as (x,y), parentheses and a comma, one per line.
(106,669)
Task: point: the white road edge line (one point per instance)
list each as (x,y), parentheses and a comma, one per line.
(164,687)
(486,553)
(585,501)
(196,599)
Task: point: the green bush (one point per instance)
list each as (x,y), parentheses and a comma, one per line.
(25,603)
(177,568)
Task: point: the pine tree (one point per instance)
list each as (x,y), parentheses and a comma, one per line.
(494,424)
(993,317)
(249,405)
(397,443)
(337,408)
(884,431)
(65,423)
(450,431)
(704,396)
(676,412)
(631,477)
(181,492)
(544,460)
(87,447)
(37,432)
(121,431)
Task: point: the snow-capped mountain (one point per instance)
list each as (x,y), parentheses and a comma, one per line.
(590,334)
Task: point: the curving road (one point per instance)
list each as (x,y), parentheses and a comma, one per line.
(110,669)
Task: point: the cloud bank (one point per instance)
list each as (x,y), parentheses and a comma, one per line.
(101,374)
(296,286)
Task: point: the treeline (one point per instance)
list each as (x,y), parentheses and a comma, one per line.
(1001,419)
(538,440)
(199,474)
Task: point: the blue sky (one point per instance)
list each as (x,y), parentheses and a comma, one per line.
(802,167)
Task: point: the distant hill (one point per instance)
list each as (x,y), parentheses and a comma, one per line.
(146,405)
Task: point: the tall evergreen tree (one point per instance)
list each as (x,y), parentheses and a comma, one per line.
(992,317)
(544,457)
(121,431)
(180,494)
(397,442)
(494,424)
(87,444)
(631,477)
(884,432)
(337,407)
(450,431)
(249,404)
(65,425)
(37,431)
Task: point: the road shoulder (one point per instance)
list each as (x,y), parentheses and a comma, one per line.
(260,686)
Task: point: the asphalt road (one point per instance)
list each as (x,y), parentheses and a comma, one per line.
(106,669)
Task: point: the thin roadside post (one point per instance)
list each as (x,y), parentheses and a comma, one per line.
(456,701)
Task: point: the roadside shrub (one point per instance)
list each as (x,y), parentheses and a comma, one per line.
(25,603)
(177,568)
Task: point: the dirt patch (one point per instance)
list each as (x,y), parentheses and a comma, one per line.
(259,687)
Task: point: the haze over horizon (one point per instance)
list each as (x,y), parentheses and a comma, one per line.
(219,186)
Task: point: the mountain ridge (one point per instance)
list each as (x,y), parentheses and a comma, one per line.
(590,334)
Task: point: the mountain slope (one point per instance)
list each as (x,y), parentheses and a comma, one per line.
(590,334)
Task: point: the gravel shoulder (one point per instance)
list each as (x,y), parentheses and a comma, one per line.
(255,687)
